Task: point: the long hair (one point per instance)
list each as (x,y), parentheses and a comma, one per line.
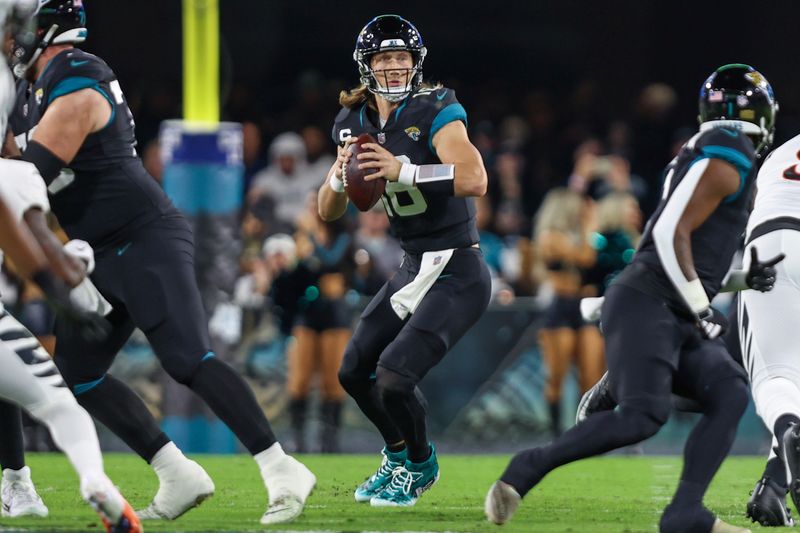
(360,94)
(612,211)
(561,212)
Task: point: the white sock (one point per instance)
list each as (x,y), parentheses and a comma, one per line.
(269,457)
(165,458)
(73,432)
(23,474)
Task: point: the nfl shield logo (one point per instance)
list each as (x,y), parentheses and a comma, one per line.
(437,260)
(381,138)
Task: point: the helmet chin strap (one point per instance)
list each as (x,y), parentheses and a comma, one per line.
(21,68)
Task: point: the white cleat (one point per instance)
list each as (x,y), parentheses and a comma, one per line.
(19,495)
(289,484)
(501,503)
(185,486)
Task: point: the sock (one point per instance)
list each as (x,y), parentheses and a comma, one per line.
(711,439)
(396,447)
(118,408)
(407,413)
(232,400)
(776,471)
(12,444)
(270,457)
(166,457)
(600,433)
(73,432)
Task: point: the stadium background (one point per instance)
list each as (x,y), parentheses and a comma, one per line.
(538,81)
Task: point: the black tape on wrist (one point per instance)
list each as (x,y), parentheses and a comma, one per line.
(48,163)
(436,179)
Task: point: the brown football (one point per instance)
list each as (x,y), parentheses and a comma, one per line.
(364,194)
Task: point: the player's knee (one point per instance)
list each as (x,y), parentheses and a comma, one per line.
(393,386)
(183,368)
(57,402)
(641,424)
(729,396)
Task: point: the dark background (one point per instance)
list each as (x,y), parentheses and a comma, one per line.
(510,48)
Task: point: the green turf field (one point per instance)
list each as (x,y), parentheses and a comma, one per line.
(619,494)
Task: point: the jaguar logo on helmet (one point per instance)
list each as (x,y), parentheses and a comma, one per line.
(737,96)
(387,33)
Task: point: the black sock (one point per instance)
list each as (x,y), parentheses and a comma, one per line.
(782,424)
(711,439)
(330,414)
(396,447)
(118,408)
(776,471)
(297,420)
(600,433)
(12,444)
(232,400)
(407,412)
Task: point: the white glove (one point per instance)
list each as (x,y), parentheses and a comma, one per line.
(81,250)
(87,297)
(590,308)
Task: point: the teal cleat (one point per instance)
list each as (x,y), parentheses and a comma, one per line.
(408,483)
(378,481)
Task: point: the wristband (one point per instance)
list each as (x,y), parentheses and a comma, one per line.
(436,179)
(336,184)
(408,174)
(695,296)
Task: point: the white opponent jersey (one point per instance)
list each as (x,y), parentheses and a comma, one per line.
(778,185)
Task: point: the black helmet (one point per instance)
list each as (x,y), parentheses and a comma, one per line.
(385,33)
(737,96)
(57,22)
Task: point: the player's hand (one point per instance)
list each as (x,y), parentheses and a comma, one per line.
(90,326)
(343,155)
(761,275)
(380,158)
(80,249)
(711,323)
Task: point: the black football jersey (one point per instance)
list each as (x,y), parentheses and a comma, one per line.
(105,188)
(717,239)
(422,222)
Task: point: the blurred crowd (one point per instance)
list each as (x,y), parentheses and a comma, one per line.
(569,188)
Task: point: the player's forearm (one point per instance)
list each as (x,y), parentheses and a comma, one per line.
(66,267)
(330,204)
(470,180)
(16,240)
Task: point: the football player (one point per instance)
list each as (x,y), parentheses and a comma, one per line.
(661,332)
(767,325)
(28,378)
(73,123)
(432,171)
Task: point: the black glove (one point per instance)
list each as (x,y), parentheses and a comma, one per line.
(761,276)
(711,323)
(92,327)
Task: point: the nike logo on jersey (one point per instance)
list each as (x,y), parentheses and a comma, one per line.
(74,63)
(441,95)
(124,249)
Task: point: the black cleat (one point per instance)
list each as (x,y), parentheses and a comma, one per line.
(767,505)
(791,458)
(596,399)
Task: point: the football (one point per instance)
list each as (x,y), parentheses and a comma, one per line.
(364,194)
